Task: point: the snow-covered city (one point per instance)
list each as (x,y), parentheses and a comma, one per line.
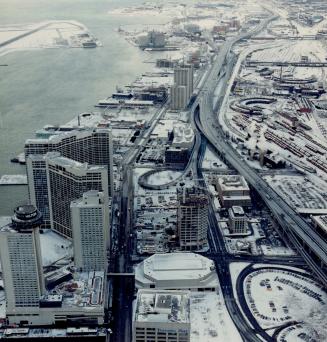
(188,204)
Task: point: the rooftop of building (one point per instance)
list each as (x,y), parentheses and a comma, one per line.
(18,333)
(90,198)
(232,182)
(321,221)
(56,135)
(57,159)
(237,210)
(186,269)
(162,306)
(182,131)
(83,290)
(183,134)
(187,195)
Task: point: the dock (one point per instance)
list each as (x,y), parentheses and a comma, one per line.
(13,180)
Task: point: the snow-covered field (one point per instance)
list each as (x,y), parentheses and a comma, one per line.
(47,34)
(212,161)
(210,321)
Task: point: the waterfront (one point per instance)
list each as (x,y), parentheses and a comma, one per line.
(50,86)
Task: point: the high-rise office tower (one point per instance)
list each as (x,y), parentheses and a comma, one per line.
(38,185)
(183,76)
(20,254)
(92,146)
(192,218)
(67,181)
(237,220)
(90,227)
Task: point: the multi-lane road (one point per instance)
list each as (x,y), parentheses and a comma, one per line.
(205,122)
(309,244)
(207,128)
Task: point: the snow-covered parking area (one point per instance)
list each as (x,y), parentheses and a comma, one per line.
(297,333)
(210,321)
(276,296)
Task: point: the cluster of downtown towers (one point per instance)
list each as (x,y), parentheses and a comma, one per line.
(70,182)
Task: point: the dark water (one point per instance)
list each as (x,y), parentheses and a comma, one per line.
(51,86)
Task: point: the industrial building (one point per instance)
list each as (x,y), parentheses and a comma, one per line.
(320,223)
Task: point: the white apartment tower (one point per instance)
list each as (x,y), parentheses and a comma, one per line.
(92,146)
(90,227)
(37,185)
(182,89)
(183,76)
(67,181)
(178,97)
(20,255)
(192,218)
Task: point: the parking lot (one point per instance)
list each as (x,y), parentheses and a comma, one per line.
(272,296)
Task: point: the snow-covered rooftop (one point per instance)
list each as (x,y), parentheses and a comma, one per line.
(162,306)
(232,182)
(177,270)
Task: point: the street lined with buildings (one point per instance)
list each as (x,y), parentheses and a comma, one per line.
(173,211)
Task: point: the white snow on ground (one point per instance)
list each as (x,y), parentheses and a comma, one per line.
(280,295)
(210,321)
(271,293)
(298,191)
(50,34)
(235,268)
(297,333)
(267,250)
(54,247)
(163,177)
(211,160)
(293,51)
(149,9)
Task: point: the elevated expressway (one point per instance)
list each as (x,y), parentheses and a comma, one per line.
(308,243)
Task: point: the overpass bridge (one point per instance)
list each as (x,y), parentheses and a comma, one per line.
(309,243)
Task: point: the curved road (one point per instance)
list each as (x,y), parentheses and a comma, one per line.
(309,244)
